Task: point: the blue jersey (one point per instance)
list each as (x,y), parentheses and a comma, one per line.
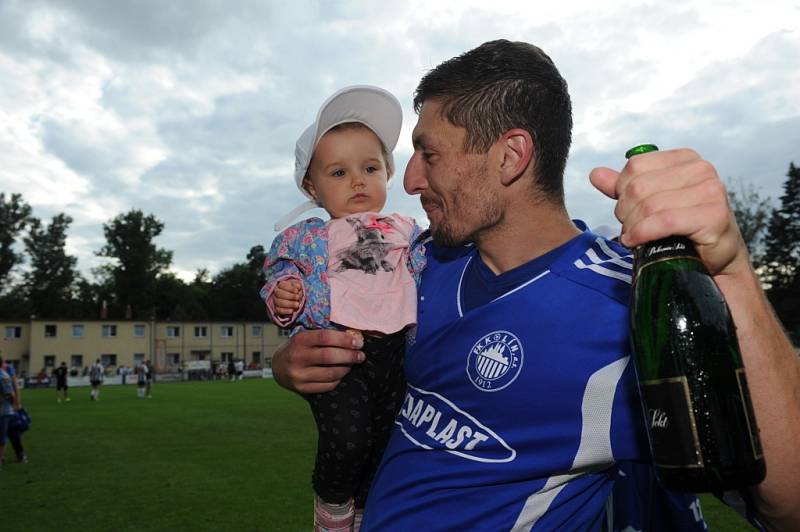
(517,409)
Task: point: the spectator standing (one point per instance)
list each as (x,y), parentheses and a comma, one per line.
(231,369)
(239,365)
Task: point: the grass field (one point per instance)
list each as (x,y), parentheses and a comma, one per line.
(216,456)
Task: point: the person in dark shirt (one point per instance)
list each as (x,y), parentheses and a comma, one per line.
(62,389)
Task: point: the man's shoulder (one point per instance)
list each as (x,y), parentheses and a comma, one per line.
(599,265)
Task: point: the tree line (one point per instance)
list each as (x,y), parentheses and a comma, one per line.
(136,282)
(772,235)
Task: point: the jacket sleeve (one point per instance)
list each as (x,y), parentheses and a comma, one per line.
(286,261)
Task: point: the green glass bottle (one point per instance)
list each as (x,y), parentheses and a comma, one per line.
(699,417)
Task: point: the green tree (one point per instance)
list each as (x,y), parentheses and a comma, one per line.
(129,241)
(782,254)
(234,291)
(51,279)
(752,215)
(176,300)
(14,217)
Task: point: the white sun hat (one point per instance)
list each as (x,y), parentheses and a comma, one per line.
(376,108)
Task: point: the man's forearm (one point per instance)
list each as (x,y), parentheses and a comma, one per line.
(773,374)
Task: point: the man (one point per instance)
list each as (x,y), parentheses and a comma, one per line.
(521,394)
(9,404)
(150,377)
(62,388)
(96,375)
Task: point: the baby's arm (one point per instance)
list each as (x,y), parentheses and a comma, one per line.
(287,299)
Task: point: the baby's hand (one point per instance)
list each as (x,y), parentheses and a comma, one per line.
(286,297)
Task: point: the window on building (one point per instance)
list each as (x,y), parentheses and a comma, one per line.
(108,360)
(50,331)
(257,330)
(173,331)
(49,361)
(257,357)
(76,361)
(226,331)
(227,356)
(109,331)
(138,331)
(200,332)
(13,333)
(77,331)
(284,332)
(138,358)
(174,359)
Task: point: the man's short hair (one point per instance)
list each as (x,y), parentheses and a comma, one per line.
(501,85)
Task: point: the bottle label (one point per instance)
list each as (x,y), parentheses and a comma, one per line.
(673,247)
(747,405)
(671,424)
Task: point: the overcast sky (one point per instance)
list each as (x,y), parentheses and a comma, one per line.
(189,110)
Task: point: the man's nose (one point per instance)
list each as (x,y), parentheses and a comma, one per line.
(414,180)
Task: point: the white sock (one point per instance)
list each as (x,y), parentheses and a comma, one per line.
(329,517)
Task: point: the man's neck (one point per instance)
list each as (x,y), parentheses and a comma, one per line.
(527,231)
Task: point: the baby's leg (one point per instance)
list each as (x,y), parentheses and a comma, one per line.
(344,437)
(385,379)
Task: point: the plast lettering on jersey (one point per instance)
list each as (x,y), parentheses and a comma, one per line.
(431,421)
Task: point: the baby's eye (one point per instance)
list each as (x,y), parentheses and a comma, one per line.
(338,173)
(372,169)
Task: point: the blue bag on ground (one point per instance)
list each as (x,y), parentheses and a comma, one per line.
(21,421)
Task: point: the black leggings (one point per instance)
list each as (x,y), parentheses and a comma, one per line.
(355,419)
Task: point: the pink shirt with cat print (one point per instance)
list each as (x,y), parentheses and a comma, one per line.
(371,287)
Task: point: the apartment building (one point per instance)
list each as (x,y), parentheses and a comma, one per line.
(39,344)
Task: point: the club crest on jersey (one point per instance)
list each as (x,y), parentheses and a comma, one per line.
(494,361)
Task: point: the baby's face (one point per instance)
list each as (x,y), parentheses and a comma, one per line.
(348,172)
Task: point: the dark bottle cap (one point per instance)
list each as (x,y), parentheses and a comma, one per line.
(641,148)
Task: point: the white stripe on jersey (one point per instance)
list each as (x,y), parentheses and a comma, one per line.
(598,264)
(594,452)
(458,292)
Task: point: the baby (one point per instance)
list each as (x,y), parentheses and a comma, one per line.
(358,271)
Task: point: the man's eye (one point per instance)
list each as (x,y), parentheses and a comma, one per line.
(428,157)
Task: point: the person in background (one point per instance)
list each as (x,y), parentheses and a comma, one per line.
(141,380)
(151,376)
(62,388)
(96,376)
(9,404)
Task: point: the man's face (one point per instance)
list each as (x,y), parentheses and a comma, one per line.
(454,187)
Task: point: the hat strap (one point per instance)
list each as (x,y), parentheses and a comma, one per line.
(284,220)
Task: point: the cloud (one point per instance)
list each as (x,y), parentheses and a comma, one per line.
(189,110)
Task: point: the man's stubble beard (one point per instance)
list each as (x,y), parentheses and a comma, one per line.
(474,209)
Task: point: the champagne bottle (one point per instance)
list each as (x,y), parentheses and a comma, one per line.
(699,417)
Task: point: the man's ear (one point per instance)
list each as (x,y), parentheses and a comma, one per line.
(516,153)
